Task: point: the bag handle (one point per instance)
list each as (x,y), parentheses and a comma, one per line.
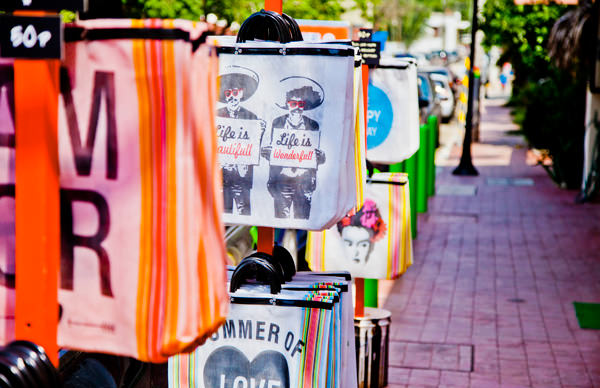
(256,268)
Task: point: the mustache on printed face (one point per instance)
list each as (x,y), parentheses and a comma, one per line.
(233,101)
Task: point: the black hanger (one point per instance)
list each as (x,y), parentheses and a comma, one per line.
(33,371)
(264,25)
(46,369)
(10,368)
(39,365)
(294,28)
(284,257)
(271,259)
(4,382)
(281,259)
(259,269)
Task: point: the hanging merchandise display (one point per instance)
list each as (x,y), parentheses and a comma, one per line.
(374,242)
(393,112)
(140,190)
(294,334)
(286,130)
(360,134)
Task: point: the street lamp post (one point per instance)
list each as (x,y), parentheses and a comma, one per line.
(465,167)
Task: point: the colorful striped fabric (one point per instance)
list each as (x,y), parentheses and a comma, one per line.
(360,143)
(140,199)
(374,242)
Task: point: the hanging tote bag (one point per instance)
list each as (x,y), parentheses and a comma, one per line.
(393,112)
(374,242)
(136,165)
(260,345)
(271,338)
(345,369)
(284,127)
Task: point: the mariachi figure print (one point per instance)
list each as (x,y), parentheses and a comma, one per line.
(359,231)
(294,153)
(239,133)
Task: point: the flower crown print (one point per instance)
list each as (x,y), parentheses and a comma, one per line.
(367,217)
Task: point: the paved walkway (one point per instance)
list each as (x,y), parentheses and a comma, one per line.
(499,260)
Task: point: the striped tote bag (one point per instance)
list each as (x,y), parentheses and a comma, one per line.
(140,190)
(375,241)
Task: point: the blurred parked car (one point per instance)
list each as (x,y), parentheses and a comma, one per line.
(445,94)
(420,58)
(429,102)
(430,112)
(404,55)
(453,80)
(442,56)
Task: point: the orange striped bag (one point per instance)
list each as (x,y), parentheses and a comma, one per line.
(140,191)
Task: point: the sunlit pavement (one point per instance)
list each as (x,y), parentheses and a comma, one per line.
(499,260)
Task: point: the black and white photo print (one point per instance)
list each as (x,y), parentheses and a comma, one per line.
(294,153)
(239,132)
(303,94)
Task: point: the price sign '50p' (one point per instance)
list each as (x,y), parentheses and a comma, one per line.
(31,37)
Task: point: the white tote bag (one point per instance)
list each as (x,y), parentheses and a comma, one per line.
(284,126)
(375,241)
(302,336)
(262,345)
(393,112)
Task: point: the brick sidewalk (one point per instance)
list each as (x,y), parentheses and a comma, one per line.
(499,260)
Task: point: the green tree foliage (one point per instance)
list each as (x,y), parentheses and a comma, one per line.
(549,104)
(313,9)
(230,10)
(411,22)
(233,10)
(185,9)
(551,113)
(522,32)
(462,6)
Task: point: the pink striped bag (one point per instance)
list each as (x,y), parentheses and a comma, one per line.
(140,191)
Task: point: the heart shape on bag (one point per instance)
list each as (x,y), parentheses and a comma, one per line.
(228,367)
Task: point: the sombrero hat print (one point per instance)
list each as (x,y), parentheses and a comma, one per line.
(304,88)
(237,77)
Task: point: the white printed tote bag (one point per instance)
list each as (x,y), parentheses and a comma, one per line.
(373,242)
(285,125)
(393,112)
